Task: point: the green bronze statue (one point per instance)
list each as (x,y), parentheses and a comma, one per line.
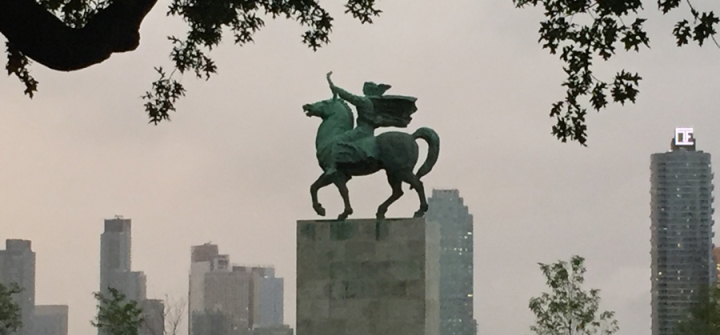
(344,150)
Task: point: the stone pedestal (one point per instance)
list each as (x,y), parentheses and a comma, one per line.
(368,277)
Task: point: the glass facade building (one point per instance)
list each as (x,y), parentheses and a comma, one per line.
(681,230)
(456,262)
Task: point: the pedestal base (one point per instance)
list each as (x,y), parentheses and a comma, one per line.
(368,277)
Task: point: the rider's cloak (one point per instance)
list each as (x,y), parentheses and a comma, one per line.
(393,110)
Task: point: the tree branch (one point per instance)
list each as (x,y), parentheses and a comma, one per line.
(41,36)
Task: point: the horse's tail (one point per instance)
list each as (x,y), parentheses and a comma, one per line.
(433,141)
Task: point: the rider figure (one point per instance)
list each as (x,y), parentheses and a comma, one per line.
(349,145)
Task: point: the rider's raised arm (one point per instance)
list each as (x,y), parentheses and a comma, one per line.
(347,96)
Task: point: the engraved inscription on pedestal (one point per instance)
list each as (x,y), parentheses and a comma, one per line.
(366,277)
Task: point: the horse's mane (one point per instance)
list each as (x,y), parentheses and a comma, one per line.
(346,109)
(343,103)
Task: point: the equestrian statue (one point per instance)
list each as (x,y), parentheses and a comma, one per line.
(344,150)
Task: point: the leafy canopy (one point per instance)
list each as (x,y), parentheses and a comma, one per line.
(568,309)
(578,31)
(10,319)
(703,318)
(208,22)
(116,315)
(581,31)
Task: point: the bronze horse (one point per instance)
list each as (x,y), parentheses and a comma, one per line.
(397,154)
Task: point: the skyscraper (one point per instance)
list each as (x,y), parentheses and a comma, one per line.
(716,255)
(228,292)
(115,247)
(154,317)
(456,262)
(202,259)
(51,320)
(116,272)
(226,299)
(681,229)
(116,261)
(17,265)
(269,304)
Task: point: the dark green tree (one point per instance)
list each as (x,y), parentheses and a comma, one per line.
(704,317)
(69,35)
(10,318)
(581,32)
(568,309)
(117,315)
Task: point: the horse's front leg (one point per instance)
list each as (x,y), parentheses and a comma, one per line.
(340,181)
(321,182)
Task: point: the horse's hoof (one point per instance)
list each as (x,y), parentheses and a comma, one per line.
(419,214)
(319,210)
(380,216)
(344,215)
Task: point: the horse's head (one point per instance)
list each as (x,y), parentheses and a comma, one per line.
(336,115)
(326,108)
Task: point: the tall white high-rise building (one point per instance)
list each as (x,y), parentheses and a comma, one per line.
(17,266)
(681,230)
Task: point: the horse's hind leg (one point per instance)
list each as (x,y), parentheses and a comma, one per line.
(321,182)
(340,182)
(415,183)
(397,192)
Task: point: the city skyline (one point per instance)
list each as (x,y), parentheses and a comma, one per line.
(447,199)
(264,291)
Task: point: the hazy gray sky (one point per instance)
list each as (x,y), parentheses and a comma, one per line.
(235,164)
